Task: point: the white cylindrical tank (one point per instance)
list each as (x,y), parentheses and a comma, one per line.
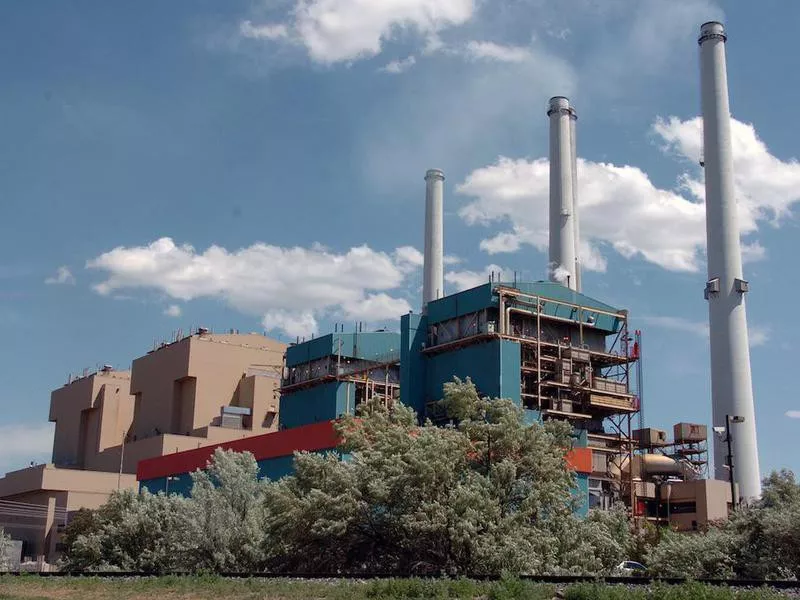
(433,268)
(561,264)
(731,384)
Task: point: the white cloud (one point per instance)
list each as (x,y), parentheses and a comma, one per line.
(497,52)
(398,66)
(276,31)
(173,310)
(63,276)
(25,443)
(619,207)
(408,258)
(793,414)
(766,187)
(464,280)
(345,30)
(623,210)
(293,324)
(289,287)
(758,335)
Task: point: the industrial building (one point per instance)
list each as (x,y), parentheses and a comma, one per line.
(554,351)
(192,391)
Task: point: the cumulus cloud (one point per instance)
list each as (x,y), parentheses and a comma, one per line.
(173,310)
(621,208)
(793,414)
(345,30)
(398,66)
(290,288)
(23,443)
(766,187)
(464,280)
(276,31)
(408,258)
(496,52)
(63,276)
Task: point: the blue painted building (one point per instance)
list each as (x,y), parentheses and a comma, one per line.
(329,376)
(555,352)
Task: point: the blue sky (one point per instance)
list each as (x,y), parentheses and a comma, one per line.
(259,165)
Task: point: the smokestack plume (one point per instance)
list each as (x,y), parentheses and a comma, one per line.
(433,269)
(731,384)
(563,265)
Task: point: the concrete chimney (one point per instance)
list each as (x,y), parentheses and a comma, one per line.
(562,259)
(575,206)
(731,384)
(433,269)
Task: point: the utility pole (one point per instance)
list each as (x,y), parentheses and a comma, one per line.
(728,420)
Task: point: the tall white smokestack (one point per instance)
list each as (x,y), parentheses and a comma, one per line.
(573,146)
(731,384)
(562,263)
(433,269)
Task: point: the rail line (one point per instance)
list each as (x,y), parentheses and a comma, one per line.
(553,579)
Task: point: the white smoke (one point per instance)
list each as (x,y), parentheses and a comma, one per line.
(560,274)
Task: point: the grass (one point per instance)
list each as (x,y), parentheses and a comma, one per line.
(216,588)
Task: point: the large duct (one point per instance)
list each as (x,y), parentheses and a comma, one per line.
(731,384)
(433,269)
(562,257)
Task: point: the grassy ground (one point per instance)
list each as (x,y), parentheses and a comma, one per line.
(213,588)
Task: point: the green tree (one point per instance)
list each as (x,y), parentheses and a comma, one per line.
(135,532)
(487,494)
(224,525)
(761,541)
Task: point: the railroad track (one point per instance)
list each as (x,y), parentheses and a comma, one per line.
(552,579)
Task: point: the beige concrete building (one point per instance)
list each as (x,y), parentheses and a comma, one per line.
(693,504)
(35,503)
(92,414)
(198,390)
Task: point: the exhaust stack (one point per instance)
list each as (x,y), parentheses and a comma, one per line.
(731,383)
(563,262)
(433,268)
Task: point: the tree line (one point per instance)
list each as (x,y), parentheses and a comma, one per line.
(488,494)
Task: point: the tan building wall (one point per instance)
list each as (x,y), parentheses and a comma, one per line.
(57,493)
(91,414)
(170,401)
(711,498)
(182,387)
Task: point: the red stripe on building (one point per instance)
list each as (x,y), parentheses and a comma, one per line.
(318,436)
(580,460)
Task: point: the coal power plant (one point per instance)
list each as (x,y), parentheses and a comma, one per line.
(554,350)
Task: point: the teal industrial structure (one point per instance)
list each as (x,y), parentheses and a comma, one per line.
(553,351)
